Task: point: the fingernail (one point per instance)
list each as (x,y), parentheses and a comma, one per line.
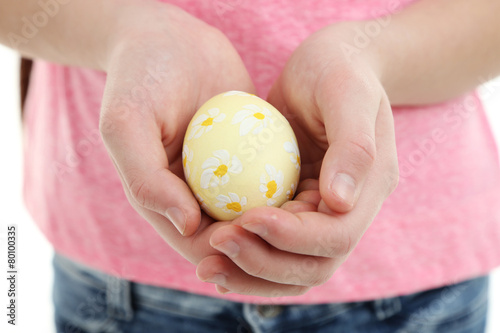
(229,248)
(257,228)
(217,278)
(344,187)
(177,217)
(222,290)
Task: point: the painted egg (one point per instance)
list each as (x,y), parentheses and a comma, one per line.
(239,152)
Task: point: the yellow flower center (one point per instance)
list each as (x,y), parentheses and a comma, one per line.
(234,206)
(259,115)
(221,170)
(271,189)
(298,159)
(290,195)
(208,122)
(184,161)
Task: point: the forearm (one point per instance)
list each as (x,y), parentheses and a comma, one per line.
(438,49)
(73,32)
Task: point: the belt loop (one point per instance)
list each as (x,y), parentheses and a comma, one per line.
(386,307)
(118,298)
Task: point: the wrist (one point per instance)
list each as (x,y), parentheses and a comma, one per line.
(378,46)
(127,26)
(152,26)
(360,44)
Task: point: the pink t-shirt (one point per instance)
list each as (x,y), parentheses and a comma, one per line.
(441,225)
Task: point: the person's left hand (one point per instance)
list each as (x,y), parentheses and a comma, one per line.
(344,126)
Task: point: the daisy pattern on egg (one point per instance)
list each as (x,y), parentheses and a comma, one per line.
(271,184)
(292,148)
(202,203)
(187,156)
(231,203)
(218,168)
(291,192)
(252,117)
(204,123)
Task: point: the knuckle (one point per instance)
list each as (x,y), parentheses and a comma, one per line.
(143,189)
(353,82)
(323,273)
(248,289)
(367,88)
(299,290)
(346,246)
(363,83)
(256,269)
(341,243)
(140,190)
(315,271)
(392,177)
(289,290)
(115,116)
(317,281)
(393,184)
(343,248)
(111,117)
(363,149)
(106,125)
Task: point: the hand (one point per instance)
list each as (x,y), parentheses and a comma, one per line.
(344,126)
(163,65)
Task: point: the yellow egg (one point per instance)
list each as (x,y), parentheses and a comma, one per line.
(239,152)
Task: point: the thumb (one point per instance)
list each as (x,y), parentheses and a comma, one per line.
(350,129)
(135,145)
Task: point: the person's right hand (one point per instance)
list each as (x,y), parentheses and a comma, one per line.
(163,64)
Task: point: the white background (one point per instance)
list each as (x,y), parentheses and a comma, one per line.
(34,257)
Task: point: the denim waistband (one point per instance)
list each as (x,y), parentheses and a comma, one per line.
(123,298)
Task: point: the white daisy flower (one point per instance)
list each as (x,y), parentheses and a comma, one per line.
(292,148)
(238,93)
(202,203)
(231,203)
(271,184)
(291,192)
(187,156)
(217,169)
(204,123)
(252,117)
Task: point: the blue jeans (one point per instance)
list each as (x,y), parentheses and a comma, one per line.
(88,301)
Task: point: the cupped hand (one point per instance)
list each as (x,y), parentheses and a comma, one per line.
(343,121)
(163,64)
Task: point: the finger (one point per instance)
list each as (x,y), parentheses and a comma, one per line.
(275,98)
(307,233)
(385,166)
(387,150)
(305,201)
(333,234)
(311,196)
(349,117)
(257,258)
(298,206)
(134,142)
(194,247)
(222,271)
(308,184)
(303,127)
